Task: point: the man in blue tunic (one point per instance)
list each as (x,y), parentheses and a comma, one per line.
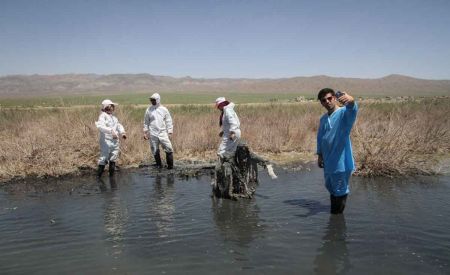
(334,148)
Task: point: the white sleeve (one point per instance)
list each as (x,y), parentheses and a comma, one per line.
(101,126)
(169,122)
(146,121)
(233,120)
(120,128)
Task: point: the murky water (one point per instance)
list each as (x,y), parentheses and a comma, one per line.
(141,223)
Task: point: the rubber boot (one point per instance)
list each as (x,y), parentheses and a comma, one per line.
(100,170)
(112,168)
(169,159)
(338,204)
(158,159)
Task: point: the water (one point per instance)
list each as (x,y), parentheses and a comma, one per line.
(141,223)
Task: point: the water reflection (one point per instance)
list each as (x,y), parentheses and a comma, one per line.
(164,205)
(223,236)
(115,216)
(313,207)
(237,221)
(104,187)
(332,257)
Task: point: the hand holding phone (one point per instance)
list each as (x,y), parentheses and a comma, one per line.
(339,94)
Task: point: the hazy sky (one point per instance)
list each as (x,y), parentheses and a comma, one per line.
(256,39)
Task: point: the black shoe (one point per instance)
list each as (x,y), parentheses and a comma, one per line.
(100,170)
(169,159)
(112,168)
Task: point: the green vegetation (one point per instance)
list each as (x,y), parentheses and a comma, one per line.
(142,98)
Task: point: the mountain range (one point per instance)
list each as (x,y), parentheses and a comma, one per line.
(84,84)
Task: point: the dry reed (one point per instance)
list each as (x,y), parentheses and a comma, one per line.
(388,139)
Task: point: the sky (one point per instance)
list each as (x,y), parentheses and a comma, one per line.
(231,39)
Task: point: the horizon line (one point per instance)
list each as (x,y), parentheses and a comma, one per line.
(212,78)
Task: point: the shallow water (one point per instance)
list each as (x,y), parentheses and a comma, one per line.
(142,223)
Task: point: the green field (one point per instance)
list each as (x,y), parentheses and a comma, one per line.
(137,99)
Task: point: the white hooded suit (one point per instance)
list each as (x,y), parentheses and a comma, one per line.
(230,123)
(158,124)
(109,147)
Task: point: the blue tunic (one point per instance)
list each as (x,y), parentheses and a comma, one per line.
(333,143)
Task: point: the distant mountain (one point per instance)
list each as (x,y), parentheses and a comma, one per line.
(83,84)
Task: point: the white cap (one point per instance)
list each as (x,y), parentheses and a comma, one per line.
(108,102)
(220,100)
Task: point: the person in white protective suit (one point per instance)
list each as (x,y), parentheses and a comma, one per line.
(231,132)
(110,132)
(158,129)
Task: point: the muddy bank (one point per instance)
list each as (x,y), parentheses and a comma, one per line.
(184,169)
(86,181)
(86,177)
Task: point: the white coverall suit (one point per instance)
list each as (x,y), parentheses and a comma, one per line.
(109,147)
(230,123)
(158,125)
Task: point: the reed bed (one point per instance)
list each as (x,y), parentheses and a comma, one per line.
(389,139)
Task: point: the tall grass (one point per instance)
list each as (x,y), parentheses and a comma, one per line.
(402,139)
(388,139)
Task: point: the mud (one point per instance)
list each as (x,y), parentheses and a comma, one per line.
(85,181)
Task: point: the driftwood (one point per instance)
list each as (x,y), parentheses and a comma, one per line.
(236,176)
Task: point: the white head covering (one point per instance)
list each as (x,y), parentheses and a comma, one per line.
(157,97)
(107,102)
(220,100)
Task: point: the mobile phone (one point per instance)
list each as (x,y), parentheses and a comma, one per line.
(339,94)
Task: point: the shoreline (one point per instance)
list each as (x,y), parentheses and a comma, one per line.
(184,168)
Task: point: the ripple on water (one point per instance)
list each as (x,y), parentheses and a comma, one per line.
(141,222)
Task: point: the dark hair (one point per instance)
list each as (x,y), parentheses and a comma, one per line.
(108,107)
(324,92)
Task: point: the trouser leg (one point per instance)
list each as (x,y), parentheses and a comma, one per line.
(338,186)
(165,143)
(227,147)
(338,204)
(154,146)
(104,153)
(167,147)
(114,151)
(169,159)
(109,153)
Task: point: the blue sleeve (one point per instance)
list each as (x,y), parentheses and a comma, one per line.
(351,110)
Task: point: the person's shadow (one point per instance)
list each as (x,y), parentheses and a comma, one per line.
(332,257)
(313,207)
